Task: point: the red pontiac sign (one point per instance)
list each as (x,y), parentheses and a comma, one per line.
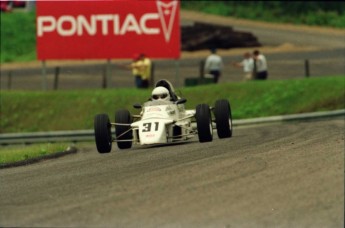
(107,29)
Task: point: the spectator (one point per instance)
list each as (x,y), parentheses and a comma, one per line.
(141,70)
(260,66)
(145,70)
(247,64)
(214,65)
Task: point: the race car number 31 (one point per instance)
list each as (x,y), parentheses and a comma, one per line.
(148,126)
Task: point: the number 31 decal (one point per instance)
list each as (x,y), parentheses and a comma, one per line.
(148,126)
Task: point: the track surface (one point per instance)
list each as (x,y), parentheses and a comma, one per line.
(277,175)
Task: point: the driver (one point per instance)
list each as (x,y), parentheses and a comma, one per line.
(160,93)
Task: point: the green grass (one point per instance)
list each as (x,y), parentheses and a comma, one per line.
(74,110)
(10,154)
(18,37)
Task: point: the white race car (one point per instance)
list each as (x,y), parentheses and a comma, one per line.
(162,121)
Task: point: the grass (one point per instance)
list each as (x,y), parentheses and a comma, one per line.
(11,154)
(23,111)
(73,110)
(18,37)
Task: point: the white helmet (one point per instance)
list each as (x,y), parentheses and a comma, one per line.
(160,93)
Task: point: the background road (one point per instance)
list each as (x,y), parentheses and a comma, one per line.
(286,48)
(276,175)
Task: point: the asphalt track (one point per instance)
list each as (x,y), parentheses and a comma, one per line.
(287,174)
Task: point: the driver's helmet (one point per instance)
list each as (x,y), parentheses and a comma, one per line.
(160,93)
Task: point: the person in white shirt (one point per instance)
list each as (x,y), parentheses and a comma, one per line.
(260,66)
(248,66)
(214,65)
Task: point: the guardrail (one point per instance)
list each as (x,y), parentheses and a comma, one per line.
(52,136)
(88,135)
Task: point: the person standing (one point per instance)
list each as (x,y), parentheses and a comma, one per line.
(247,64)
(260,66)
(214,65)
(141,70)
(145,70)
(135,70)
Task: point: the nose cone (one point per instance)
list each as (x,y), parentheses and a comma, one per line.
(153,131)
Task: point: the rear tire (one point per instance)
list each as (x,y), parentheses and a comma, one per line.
(204,123)
(223,118)
(102,129)
(123,116)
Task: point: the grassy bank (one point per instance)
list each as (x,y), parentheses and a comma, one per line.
(18,37)
(11,154)
(73,110)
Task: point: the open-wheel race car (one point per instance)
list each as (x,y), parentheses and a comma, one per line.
(163,119)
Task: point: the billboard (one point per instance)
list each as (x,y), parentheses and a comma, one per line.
(107,29)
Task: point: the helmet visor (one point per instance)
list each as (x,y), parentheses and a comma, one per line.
(160,96)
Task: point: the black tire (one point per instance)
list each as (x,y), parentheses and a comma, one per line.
(123,116)
(204,123)
(102,129)
(223,118)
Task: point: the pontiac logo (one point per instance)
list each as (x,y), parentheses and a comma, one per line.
(167,12)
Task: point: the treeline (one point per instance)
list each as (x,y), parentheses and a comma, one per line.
(321,13)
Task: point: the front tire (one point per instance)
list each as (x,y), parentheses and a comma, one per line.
(204,123)
(102,129)
(223,118)
(123,132)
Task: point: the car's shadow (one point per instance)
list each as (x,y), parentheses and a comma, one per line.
(145,147)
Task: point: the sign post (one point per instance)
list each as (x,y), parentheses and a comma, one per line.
(44,75)
(108,72)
